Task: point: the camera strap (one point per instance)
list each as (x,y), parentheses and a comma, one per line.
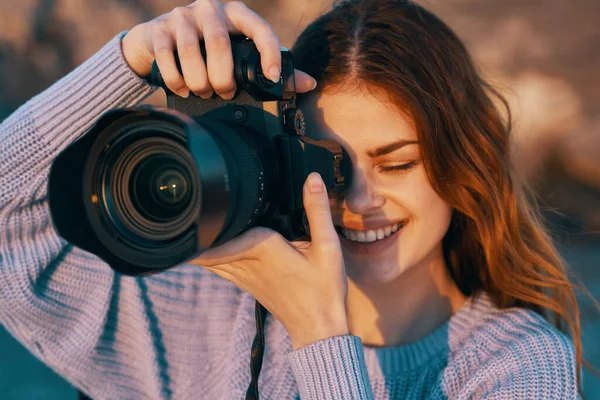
(258,349)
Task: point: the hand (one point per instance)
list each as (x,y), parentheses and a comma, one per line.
(182,29)
(303,284)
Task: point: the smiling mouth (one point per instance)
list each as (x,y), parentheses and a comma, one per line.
(370,235)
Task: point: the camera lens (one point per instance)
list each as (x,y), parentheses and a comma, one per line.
(149,186)
(170,187)
(165,187)
(159,187)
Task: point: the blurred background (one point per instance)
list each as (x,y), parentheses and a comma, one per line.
(544,55)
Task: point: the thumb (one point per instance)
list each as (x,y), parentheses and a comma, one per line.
(316,204)
(304,82)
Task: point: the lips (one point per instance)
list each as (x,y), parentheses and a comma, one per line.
(369,235)
(366,225)
(375,248)
(365,232)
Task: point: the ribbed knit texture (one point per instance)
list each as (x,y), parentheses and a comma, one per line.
(187,333)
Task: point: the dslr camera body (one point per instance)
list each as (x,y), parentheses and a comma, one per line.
(148,188)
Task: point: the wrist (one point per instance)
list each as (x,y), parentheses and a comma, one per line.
(315,332)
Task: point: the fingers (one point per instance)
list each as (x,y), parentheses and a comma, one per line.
(188,51)
(259,30)
(162,41)
(182,29)
(212,21)
(324,238)
(218,49)
(248,246)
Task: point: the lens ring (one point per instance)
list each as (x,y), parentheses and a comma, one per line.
(126,213)
(227,197)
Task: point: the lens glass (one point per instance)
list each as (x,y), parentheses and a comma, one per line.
(160,188)
(170,187)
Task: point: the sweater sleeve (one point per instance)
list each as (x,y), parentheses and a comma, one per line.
(537,364)
(332,369)
(54,298)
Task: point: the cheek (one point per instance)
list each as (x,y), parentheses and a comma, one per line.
(436,218)
(430,212)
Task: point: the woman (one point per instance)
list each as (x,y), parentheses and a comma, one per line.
(430,277)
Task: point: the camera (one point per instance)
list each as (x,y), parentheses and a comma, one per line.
(148,188)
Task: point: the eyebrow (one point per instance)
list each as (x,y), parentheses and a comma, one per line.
(388,148)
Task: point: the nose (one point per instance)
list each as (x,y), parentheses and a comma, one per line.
(361,197)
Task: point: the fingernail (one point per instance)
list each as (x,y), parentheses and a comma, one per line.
(314,84)
(275,73)
(184,93)
(315,183)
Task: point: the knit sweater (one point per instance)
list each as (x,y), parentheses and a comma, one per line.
(187,333)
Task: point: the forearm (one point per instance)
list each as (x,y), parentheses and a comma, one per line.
(32,137)
(49,122)
(48,288)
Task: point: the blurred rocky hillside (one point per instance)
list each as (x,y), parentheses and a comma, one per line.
(543,54)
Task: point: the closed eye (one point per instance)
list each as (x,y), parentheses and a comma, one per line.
(397,169)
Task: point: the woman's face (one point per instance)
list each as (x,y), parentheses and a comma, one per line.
(390,219)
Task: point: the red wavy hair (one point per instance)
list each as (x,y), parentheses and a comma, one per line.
(400,47)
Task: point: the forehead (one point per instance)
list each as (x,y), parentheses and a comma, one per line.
(357,118)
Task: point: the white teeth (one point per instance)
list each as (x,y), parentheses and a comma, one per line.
(349,234)
(370,235)
(387,230)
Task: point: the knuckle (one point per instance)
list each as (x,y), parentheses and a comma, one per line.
(265,28)
(262,239)
(188,50)
(235,6)
(162,52)
(211,4)
(180,12)
(160,27)
(265,235)
(273,241)
(264,31)
(219,40)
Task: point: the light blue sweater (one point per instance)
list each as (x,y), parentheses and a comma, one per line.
(186,333)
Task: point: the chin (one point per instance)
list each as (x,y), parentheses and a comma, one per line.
(375,273)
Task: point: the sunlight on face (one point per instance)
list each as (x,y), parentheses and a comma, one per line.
(390,190)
